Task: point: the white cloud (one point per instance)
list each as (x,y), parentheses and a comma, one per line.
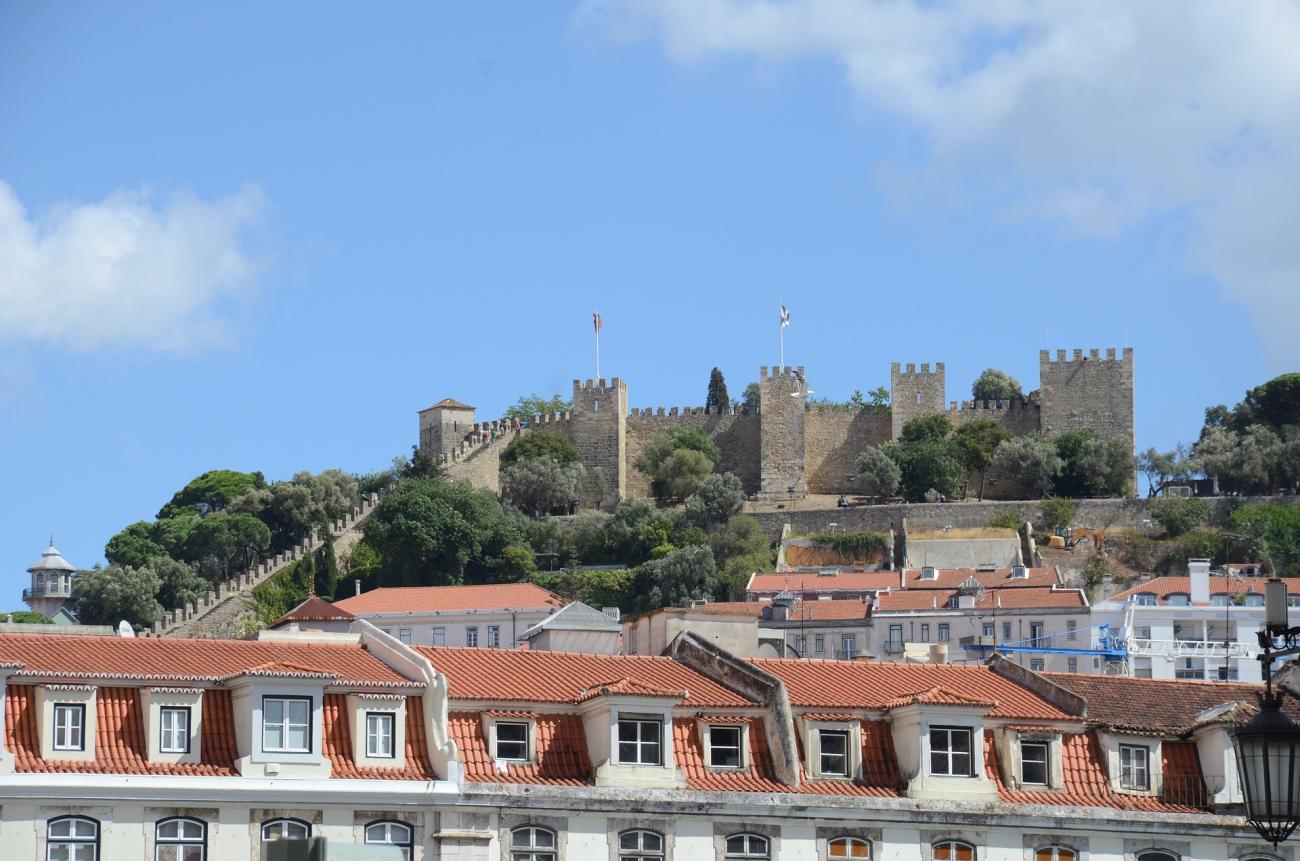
(1095,115)
(135,270)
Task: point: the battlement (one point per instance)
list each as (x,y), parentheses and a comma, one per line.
(550,418)
(600,385)
(835,408)
(779,371)
(896,370)
(985,406)
(1094,355)
(685,411)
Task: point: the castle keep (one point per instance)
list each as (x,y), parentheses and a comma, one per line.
(788,448)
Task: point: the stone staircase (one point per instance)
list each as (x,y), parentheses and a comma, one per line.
(217,614)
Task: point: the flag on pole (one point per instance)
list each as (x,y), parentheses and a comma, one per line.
(785,317)
(596,322)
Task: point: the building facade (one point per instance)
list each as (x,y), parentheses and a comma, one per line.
(494,616)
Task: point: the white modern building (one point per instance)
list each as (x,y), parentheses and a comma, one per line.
(487,616)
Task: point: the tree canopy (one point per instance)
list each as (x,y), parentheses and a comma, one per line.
(531,405)
(878,473)
(677,460)
(211,491)
(751,398)
(976,443)
(542,485)
(995,385)
(717,396)
(1030,460)
(539,443)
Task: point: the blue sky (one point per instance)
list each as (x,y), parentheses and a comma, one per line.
(261,236)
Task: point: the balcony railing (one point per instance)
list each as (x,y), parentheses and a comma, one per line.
(46,592)
(1189,649)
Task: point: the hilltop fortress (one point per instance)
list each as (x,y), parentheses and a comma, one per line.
(788,448)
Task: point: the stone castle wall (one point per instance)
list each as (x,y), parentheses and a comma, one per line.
(735,433)
(1087,392)
(1018,417)
(833,439)
(782,405)
(914,393)
(597,426)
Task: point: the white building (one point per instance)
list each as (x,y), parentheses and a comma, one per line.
(196,750)
(488,616)
(51,583)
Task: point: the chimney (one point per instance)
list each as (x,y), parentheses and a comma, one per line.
(1198,571)
(938,653)
(358,586)
(781,607)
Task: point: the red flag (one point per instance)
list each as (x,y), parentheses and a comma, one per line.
(596,322)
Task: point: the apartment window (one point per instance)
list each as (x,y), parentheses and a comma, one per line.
(1145,599)
(834,745)
(639,844)
(1134,766)
(69,726)
(1190,668)
(1142,632)
(379,734)
(494,636)
(895,638)
(987,630)
(512,741)
(180,839)
(953,850)
(1142,668)
(640,740)
(925,633)
(1220,600)
(1006,630)
(390,832)
(944,635)
(532,844)
(1071,630)
(72,838)
(724,747)
(749,846)
(799,643)
(848,645)
(174,728)
(1157,855)
(440,636)
(1072,665)
(951,751)
(1254,599)
(1178,599)
(285,829)
(845,848)
(1055,853)
(404,635)
(1035,631)
(1034,763)
(819,643)
(471,635)
(1037,664)
(286,725)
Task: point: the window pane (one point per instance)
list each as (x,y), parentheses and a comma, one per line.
(297,738)
(299,711)
(273,711)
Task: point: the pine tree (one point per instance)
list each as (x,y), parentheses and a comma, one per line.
(717,392)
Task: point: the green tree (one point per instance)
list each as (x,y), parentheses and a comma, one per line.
(224,544)
(531,405)
(879,396)
(27,617)
(179,583)
(676,579)
(878,473)
(751,398)
(717,396)
(686,472)
(929,428)
(926,464)
(422,463)
(1058,512)
(1250,462)
(134,545)
(623,530)
(515,564)
(1095,573)
(542,485)
(211,491)
(682,473)
(741,535)
(1092,466)
(1272,531)
(716,500)
(106,596)
(976,442)
(1164,468)
(1010,518)
(730,583)
(539,443)
(857,400)
(1275,403)
(432,533)
(1030,460)
(1177,515)
(995,385)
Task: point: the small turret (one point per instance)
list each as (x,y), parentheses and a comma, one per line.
(51,587)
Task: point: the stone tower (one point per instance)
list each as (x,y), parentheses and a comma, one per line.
(598,428)
(444,425)
(51,587)
(914,393)
(782,416)
(1089,392)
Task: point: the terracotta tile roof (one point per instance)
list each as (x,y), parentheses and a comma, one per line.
(1035,598)
(1086,784)
(153,659)
(448,404)
(314,609)
(336,735)
(938,696)
(119,741)
(1163,587)
(1156,705)
(951,578)
(813,581)
(447,599)
(560,743)
(816,684)
(629,687)
(511,675)
(805,611)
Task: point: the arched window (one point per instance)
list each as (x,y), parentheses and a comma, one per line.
(285,829)
(953,850)
(180,839)
(531,843)
(747,846)
(1055,853)
(847,847)
(639,844)
(390,832)
(72,838)
(1157,855)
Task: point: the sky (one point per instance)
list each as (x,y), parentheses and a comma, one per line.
(262,236)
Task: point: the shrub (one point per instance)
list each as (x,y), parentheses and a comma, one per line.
(1057,512)
(1011,518)
(1178,515)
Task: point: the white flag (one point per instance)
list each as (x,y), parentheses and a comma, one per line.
(785,317)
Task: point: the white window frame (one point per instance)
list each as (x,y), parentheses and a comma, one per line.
(283,825)
(1057,850)
(1129,771)
(389,830)
(175,848)
(1045,761)
(844,756)
(173,738)
(641,743)
(494,636)
(638,850)
(286,723)
(375,735)
(753,846)
(833,852)
(74,840)
(525,741)
(945,632)
(440,636)
(65,726)
(532,849)
(471,636)
(950,756)
(738,747)
(404,635)
(950,844)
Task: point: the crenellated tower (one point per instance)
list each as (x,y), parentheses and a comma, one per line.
(914,393)
(1087,392)
(444,425)
(782,411)
(598,428)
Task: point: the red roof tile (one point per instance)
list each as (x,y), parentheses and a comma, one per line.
(1156,705)
(336,734)
(448,404)
(871,685)
(152,659)
(510,675)
(446,599)
(560,744)
(629,687)
(937,696)
(813,581)
(1163,587)
(314,609)
(951,578)
(806,611)
(1036,598)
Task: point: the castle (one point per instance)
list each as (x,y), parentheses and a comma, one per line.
(788,448)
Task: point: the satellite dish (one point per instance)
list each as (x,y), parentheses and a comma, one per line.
(124,629)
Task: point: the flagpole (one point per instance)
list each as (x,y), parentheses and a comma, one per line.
(598,347)
(781,329)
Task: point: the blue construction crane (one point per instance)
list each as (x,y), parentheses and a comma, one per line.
(1106,644)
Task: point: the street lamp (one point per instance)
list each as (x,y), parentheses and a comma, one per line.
(1268,747)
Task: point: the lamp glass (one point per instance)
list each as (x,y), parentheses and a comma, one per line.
(1268,760)
(1275,604)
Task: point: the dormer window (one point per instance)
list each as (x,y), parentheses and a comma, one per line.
(951,751)
(511,741)
(640,740)
(1035,762)
(379,734)
(725,746)
(1135,767)
(1178,599)
(286,724)
(1253,599)
(69,726)
(174,729)
(834,760)
(1220,599)
(1144,599)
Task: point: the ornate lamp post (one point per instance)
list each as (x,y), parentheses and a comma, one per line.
(1268,747)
